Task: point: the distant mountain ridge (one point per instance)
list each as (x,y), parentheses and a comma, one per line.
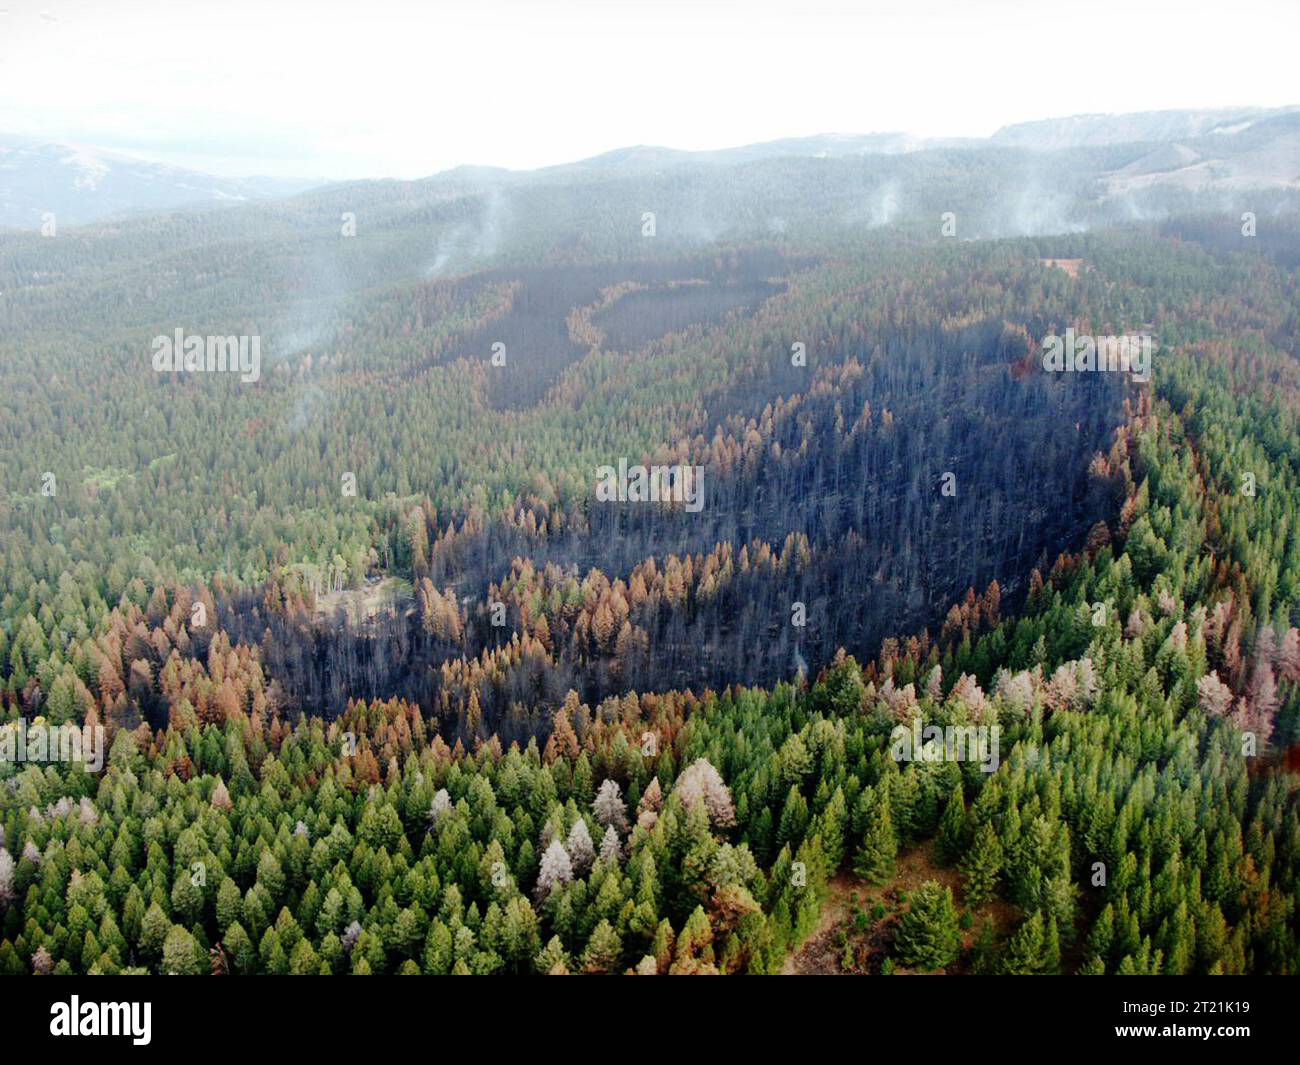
(78,184)
(1092,131)
(1190,150)
(1181,152)
(1049,134)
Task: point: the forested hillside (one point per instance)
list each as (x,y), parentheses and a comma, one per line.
(387,687)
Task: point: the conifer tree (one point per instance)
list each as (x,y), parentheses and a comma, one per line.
(875,858)
(603,950)
(555,870)
(1027,952)
(928,937)
(982,865)
(950,843)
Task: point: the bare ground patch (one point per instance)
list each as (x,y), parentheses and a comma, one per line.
(375,596)
(824,953)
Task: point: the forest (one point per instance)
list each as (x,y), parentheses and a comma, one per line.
(386,688)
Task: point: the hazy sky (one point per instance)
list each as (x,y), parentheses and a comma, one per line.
(327,88)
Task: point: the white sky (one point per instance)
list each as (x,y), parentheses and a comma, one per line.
(403,88)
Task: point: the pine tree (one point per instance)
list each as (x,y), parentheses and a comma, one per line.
(609,808)
(875,859)
(603,950)
(552,959)
(230,905)
(555,870)
(6,877)
(1051,948)
(984,960)
(982,865)
(580,848)
(304,960)
(180,954)
(1026,953)
(520,939)
(239,949)
(928,937)
(950,844)
(153,931)
(611,850)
